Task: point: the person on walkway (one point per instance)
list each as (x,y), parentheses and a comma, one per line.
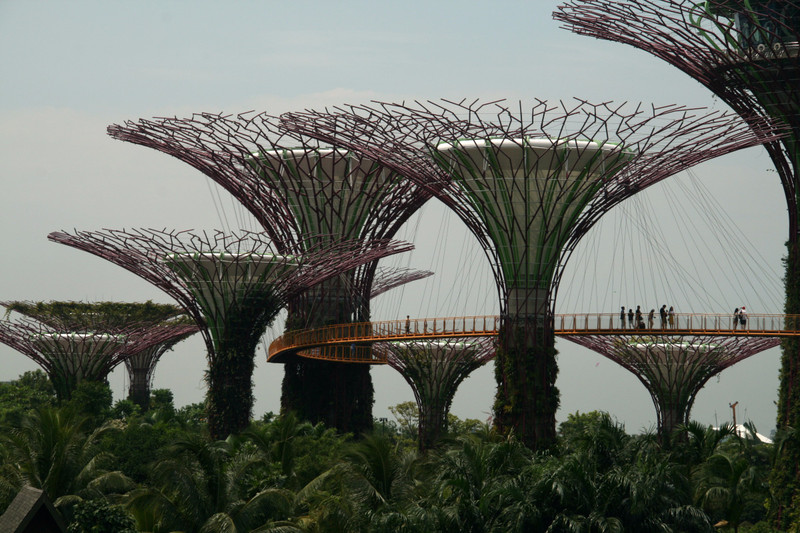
(408,324)
(650,318)
(671,315)
(622,317)
(630,317)
(639,321)
(735,318)
(663,313)
(743,317)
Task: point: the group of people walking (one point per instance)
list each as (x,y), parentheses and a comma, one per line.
(635,319)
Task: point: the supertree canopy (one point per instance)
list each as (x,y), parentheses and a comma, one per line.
(747,52)
(75,317)
(434,369)
(77,349)
(233,286)
(83,316)
(674,368)
(528,182)
(303,194)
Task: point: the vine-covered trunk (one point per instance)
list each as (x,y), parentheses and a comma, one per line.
(63,385)
(139,389)
(526,370)
(785,477)
(672,414)
(229,402)
(433,419)
(340,395)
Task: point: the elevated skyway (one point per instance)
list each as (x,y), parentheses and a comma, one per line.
(352,342)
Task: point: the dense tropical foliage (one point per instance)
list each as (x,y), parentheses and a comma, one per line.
(114,468)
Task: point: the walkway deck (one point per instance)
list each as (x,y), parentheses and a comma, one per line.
(351,342)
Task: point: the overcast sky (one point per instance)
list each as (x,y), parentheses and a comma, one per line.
(69,69)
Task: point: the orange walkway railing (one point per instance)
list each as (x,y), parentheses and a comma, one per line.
(351,342)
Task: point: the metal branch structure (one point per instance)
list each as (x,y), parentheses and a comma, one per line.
(80,317)
(747,52)
(529,182)
(434,369)
(387,279)
(233,286)
(673,369)
(141,365)
(303,194)
(72,355)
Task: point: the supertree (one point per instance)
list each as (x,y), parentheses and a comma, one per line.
(434,369)
(673,368)
(71,354)
(747,53)
(529,183)
(141,365)
(302,193)
(72,316)
(233,286)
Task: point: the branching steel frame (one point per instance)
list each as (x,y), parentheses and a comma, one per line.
(387,279)
(302,193)
(625,148)
(299,190)
(434,370)
(232,286)
(700,38)
(662,140)
(141,365)
(105,316)
(69,355)
(673,369)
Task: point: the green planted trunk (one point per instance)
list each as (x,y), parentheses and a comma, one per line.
(526,371)
(229,400)
(230,392)
(340,395)
(785,477)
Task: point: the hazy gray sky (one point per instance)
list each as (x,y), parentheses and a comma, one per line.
(69,69)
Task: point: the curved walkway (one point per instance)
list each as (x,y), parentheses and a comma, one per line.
(351,342)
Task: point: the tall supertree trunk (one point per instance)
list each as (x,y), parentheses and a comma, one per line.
(526,370)
(340,395)
(785,477)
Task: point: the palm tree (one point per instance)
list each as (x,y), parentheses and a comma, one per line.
(55,450)
(695,442)
(371,489)
(473,479)
(732,483)
(278,440)
(650,493)
(727,485)
(197,487)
